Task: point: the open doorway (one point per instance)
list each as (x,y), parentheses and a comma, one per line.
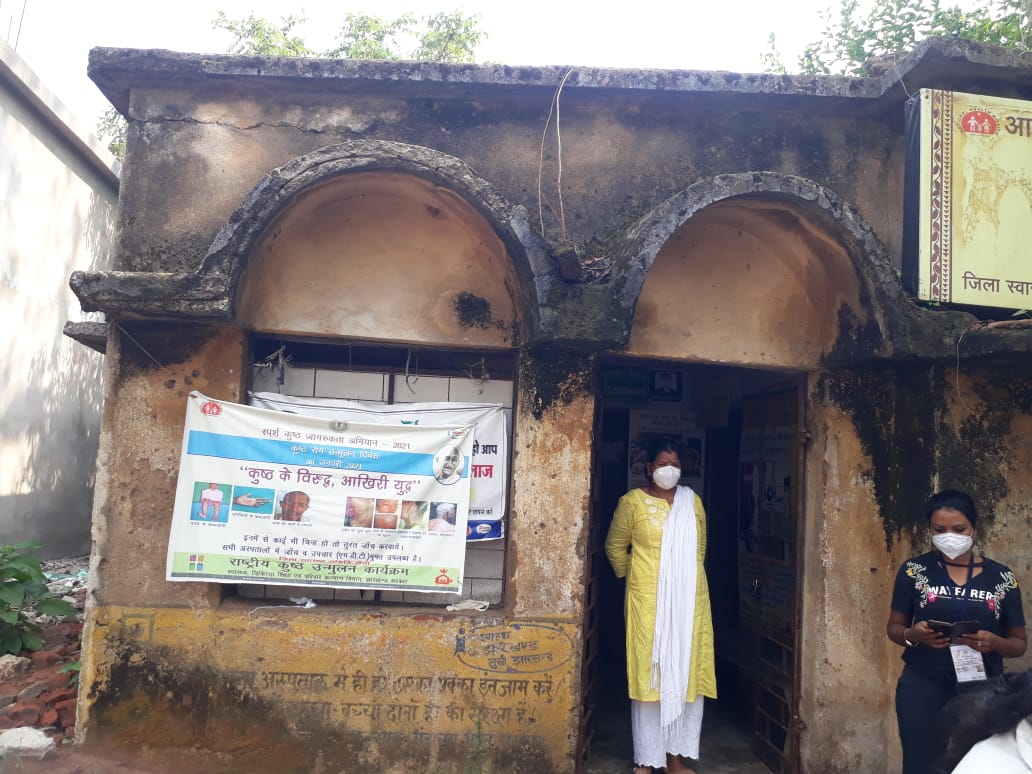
(744,426)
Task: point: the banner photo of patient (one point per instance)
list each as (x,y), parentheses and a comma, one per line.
(271,497)
(489,462)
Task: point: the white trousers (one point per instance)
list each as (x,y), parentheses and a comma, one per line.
(652,743)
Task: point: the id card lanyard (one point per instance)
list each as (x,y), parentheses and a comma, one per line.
(968,664)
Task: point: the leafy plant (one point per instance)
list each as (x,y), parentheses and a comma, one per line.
(72,666)
(23,590)
(449,36)
(255,36)
(858,34)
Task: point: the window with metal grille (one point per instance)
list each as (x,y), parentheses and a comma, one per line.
(376,373)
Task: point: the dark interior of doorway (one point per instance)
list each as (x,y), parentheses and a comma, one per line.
(716,395)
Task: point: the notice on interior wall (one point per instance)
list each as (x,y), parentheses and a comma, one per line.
(488,466)
(276,498)
(684,429)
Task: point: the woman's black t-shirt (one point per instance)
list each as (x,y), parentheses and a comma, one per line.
(924,591)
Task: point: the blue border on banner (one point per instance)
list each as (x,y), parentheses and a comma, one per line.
(245,448)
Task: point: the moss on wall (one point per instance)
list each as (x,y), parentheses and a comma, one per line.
(151,345)
(552,375)
(928,427)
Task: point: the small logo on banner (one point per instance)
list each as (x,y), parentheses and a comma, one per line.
(978,122)
(211,409)
(196,562)
(338,425)
(443,579)
(457,433)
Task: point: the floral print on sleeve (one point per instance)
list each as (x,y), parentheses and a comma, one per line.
(916,570)
(995,602)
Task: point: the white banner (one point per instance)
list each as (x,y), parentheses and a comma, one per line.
(488,469)
(275,498)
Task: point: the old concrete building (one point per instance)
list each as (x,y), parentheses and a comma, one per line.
(575,233)
(57,205)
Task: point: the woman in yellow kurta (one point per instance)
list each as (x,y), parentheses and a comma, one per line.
(658,542)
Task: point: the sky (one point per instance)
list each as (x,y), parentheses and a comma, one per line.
(54,36)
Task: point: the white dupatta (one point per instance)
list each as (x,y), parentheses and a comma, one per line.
(675,606)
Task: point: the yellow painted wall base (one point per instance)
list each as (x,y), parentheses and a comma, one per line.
(289,689)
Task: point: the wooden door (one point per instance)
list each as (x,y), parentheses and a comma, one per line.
(768,539)
(593,564)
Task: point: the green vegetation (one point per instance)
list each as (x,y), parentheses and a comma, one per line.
(23,590)
(853,36)
(449,36)
(75,667)
(255,36)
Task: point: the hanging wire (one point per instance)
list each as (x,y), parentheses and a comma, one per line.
(483,377)
(899,75)
(408,376)
(553,107)
(277,361)
(140,346)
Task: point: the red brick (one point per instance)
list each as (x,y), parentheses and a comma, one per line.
(58,680)
(64,704)
(66,717)
(23,714)
(44,658)
(49,717)
(60,695)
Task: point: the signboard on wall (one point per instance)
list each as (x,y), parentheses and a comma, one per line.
(968,199)
(285,499)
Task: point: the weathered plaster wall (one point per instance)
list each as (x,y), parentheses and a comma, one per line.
(393,688)
(143,434)
(384,256)
(551,483)
(220,140)
(333,689)
(883,441)
(56,213)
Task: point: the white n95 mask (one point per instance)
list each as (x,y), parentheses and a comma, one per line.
(952,545)
(666,477)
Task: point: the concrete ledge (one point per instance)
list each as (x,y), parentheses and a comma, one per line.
(92,334)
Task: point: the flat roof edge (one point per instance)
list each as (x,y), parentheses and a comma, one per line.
(115,70)
(17,77)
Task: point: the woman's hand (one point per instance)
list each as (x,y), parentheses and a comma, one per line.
(922,634)
(1011,645)
(983,641)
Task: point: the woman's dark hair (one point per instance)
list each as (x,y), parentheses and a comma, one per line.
(953,500)
(663,443)
(995,707)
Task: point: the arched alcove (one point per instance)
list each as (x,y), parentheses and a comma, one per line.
(748,280)
(381,255)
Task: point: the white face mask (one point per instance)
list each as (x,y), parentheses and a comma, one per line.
(666,477)
(952,545)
